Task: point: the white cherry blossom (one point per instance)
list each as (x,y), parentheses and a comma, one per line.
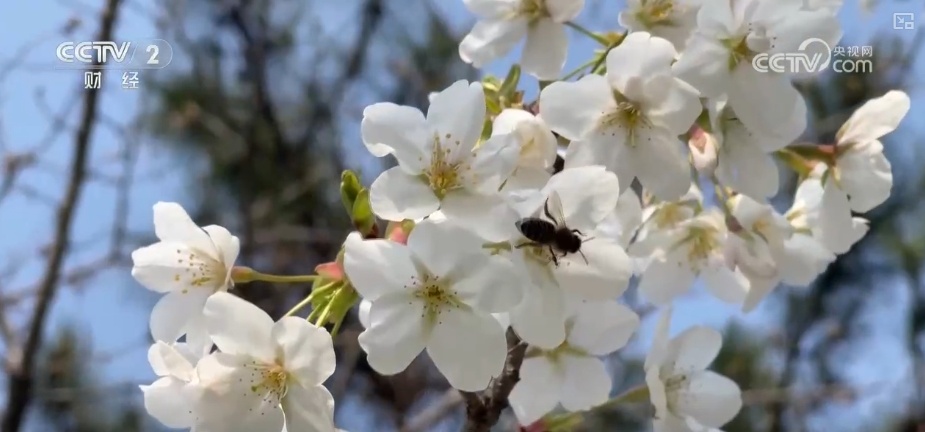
(673,20)
(824,213)
(435,293)
(629,120)
(769,251)
(622,224)
(580,198)
(718,59)
(695,248)
(188,265)
(504,23)
(439,164)
(680,386)
(861,170)
(744,160)
(171,398)
(538,148)
(572,374)
(267,374)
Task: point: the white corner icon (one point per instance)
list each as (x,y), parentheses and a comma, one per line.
(904,21)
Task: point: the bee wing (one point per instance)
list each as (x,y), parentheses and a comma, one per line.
(553,209)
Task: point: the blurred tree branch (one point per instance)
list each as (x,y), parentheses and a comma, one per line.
(22,360)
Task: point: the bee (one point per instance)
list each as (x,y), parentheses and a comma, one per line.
(553,233)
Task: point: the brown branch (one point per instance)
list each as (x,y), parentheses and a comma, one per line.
(483,412)
(20,386)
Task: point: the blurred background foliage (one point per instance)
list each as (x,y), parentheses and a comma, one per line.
(265,111)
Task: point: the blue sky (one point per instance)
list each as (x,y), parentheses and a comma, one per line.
(109,309)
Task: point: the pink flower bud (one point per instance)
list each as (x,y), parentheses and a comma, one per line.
(330,270)
(703,148)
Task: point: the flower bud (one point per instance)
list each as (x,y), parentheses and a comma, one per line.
(330,270)
(349,189)
(703,148)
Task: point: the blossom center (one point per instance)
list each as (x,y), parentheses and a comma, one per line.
(701,243)
(673,386)
(436,294)
(445,174)
(269,381)
(669,215)
(532,10)
(656,13)
(627,118)
(200,270)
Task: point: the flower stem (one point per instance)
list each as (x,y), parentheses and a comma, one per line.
(283,279)
(324,289)
(579,69)
(598,38)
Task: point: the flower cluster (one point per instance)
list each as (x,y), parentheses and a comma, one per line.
(492,241)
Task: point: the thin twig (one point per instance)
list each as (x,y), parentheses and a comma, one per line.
(20,385)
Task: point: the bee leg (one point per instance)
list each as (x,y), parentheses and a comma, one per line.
(583,256)
(546,210)
(523,245)
(555,259)
(578,232)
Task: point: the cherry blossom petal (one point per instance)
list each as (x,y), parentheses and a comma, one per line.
(540,318)
(835,219)
(876,118)
(639,55)
(396,334)
(237,326)
(168,401)
(309,409)
(605,275)
(227,245)
(230,403)
(468,347)
(396,195)
(546,49)
(172,314)
(537,393)
(429,240)
(308,351)
(694,349)
(765,102)
(572,109)
(587,195)
(712,399)
(491,39)
(660,164)
(376,267)
(457,114)
(487,216)
(165,267)
(600,328)
(586,384)
(173,224)
(487,283)
(866,175)
(664,280)
(724,283)
(398,130)
(167,361)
